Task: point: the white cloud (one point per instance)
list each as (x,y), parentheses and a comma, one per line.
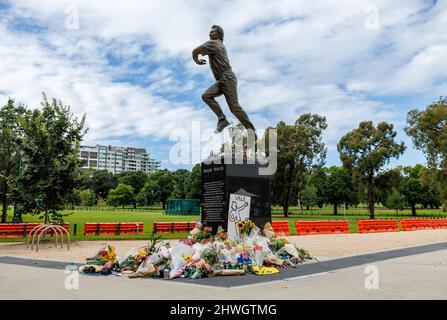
(290,57)
(112,109)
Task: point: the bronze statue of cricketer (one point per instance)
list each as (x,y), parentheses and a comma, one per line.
(226,81)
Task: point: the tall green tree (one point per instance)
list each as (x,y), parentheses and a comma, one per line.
(299,149)
(87,197)
(428,130)
(74,198)
(318,178)
(85,181)
(366,150)
(148,195)
(430,179)
(431,199)
(193,183)
(10,150)
(387,182)
(136,179)
(396,200)
(122,195)
(413,188)
(340,188)
(309,196)
(51,166)
(180,190)
(102,181)
(158,188)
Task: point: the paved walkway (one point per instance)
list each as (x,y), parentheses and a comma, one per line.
(411,273)
(326,245)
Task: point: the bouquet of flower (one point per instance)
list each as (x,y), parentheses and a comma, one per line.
(129,262)
(202,235)
(104,255)
(245,227)
(221,234)
(198,269)
(140,256)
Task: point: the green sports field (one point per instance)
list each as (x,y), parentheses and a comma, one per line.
(79,217)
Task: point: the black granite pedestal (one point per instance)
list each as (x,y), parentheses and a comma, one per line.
(223,177)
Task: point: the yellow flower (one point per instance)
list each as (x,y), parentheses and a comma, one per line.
(251,224)
(187,258)
(200,264)
(109,255)
(142,252)
(240,224)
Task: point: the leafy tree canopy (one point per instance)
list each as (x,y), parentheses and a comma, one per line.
(51,167)
(299,148)
(122,195)
(366,150)
(10,150)
(428,130)
(158,188)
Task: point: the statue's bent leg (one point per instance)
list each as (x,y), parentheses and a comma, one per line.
(229,88)
(208,97)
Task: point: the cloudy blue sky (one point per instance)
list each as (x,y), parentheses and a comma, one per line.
(127,64)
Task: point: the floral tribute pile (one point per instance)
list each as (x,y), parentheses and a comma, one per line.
(203,255)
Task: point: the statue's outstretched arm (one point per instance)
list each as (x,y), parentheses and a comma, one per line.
(195,56)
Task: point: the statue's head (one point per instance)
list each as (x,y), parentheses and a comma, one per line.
(216,33)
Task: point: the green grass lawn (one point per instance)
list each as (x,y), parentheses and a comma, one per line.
(362,211)
(79,217)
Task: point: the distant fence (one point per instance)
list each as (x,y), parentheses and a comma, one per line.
(183,207)
(276,211)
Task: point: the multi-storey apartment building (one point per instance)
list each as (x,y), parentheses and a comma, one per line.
(117,159)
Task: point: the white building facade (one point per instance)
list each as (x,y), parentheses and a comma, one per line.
(117,159)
